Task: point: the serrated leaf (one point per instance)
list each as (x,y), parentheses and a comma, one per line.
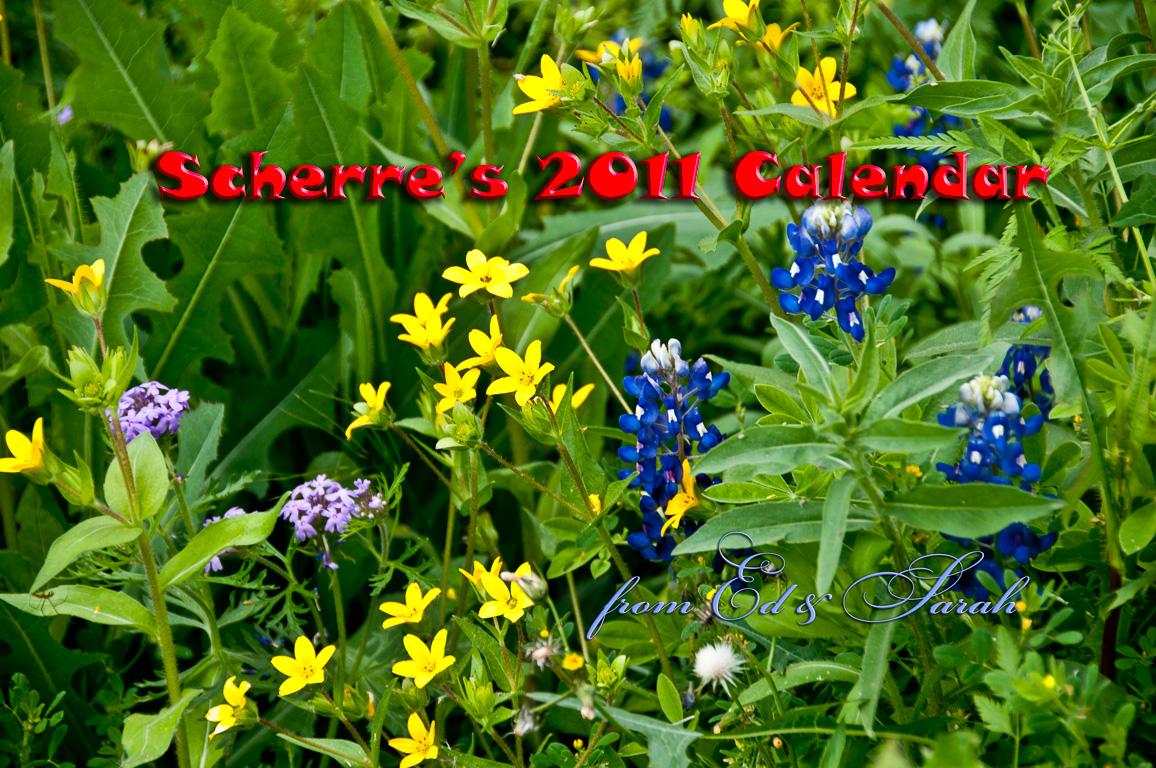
(119,80)
(127,222)
(219,246)
(994,714)
(249,87)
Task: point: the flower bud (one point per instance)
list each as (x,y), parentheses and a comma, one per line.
(97,388)
(692,33)
(141,155)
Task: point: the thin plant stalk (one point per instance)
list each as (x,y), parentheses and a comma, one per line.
(598,365)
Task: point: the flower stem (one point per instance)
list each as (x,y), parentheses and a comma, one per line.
(165,640)
(530,481)
(339,613)
(206,592)
(598,365)
(486,77)
(581,625)
(447,551)
(348,726)
(426,459)
(915,46)
(847,57)
(462,588)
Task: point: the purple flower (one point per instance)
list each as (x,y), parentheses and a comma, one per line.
(215,564)
(151,407)
(64,115)
(323,506)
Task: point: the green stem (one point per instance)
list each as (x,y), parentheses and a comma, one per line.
(295,586)
(165,640)
(598,365)
(451,520)
(1086,195)
(206,592)
(578,623)
(915,46)
(486,76)
(339,614)
(348,726)
(530,481)
(473,524)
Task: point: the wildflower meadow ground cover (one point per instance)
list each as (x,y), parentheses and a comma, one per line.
(448,382)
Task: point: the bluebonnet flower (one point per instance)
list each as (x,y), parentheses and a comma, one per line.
(151,407)
(668,430)
(1017,542)
(214,565)
(991,412)
(910,72)
(970,585)
(1024,365)
(831,235)
(1022,543)
(323,506)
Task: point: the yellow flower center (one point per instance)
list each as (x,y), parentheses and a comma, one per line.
(527,378)
(512,603)
(307,671)
(430,666)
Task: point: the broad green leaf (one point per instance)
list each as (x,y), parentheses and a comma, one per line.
(348,752)
(774,450)
(240,531)
(1138,529)
(805,115)
(779,404)
(1140,208)
(147,737)
(249,86)
(150,476)
(7,203)
(29,356)
(972,98)
(669,699)
(969,511)
(454,31)
(964,337)
(219,246)
(95,604)
(119,80)
(811,361)
(771,523)
(835,510)
(739,493)
(489,650)
(127,222)
(801,673)
(904,436)
(200,435)
(922,382)
(957,57)
(86,536)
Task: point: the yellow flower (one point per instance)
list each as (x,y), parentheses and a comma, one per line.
(424,327)
(94,275)
(306,669)
(624,258)
(484,345)
(510,602)
(629,69)
(225,715)
(1049,681)
(1025,624)
(691,27)
(479,569)
(420,744)
(522,376)
(559,394)
(374,403)
(424,664)
(609,48)
(494,275)
(738,14)
(457,388)
(559,300)
(595,503)
(822,86)
(412,610)
(572,662)
(914,470)
(774,36)
(26,454)
(684,500)
(539,89)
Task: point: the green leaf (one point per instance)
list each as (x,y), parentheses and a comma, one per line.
(219,246)
(835,511)
(150,476)
(119,79)
(127,222)
(1137,530)
(739,493)
(904,436)
(7,204)
(787,521)
(774,450)
(994,714)
(969,511)
(86,536)
(489,650)
(454,31)
(812,362)
(1140,208)
(147,737)
(200,436)
(863,699)
(95,604)
(249,86)
(801,673)
(922,382)
(972,98)
(342,749)
(779,404)
(240,531)
(957,57)
(964,337)
(805,115)
(669,699)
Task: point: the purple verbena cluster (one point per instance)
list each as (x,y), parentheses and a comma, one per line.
(151,407)
(324,506)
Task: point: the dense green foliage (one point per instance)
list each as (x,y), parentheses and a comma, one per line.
(130,602)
